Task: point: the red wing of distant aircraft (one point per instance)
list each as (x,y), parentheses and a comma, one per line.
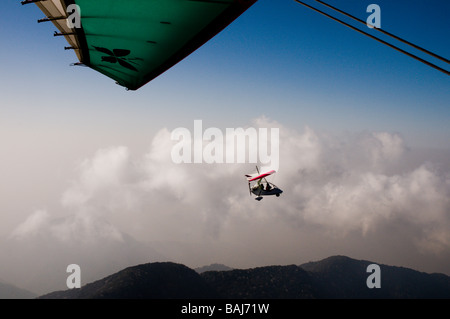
(134,41)
(251,178)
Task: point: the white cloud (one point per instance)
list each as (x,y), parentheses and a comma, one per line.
(341,184)
(335,189)
(107,169)
(32,225)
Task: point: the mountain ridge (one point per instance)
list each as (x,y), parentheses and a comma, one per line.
(159,280)
(330,278)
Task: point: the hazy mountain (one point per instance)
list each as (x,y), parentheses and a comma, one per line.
(8,291)
(213,267)
(333,277)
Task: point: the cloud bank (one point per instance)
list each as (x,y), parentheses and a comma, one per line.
(354,194)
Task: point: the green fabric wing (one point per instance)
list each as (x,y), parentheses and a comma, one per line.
(134,41)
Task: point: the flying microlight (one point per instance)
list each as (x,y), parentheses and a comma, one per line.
(262,188)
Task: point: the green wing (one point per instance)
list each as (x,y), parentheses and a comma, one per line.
(134,41)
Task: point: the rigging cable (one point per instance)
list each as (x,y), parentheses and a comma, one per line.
(378,39)
(386,33)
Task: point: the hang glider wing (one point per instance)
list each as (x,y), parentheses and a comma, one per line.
(252,178)
(134,41)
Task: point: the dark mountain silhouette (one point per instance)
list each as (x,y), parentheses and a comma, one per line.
(344,277)
(8,291)
(272,282)
(333,277)
(147,281)
(212,267)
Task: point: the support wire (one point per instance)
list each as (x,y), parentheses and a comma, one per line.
(378,39)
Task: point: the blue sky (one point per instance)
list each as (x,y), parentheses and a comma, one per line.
(279,59)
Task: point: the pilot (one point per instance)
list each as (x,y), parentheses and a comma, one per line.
(268,188)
